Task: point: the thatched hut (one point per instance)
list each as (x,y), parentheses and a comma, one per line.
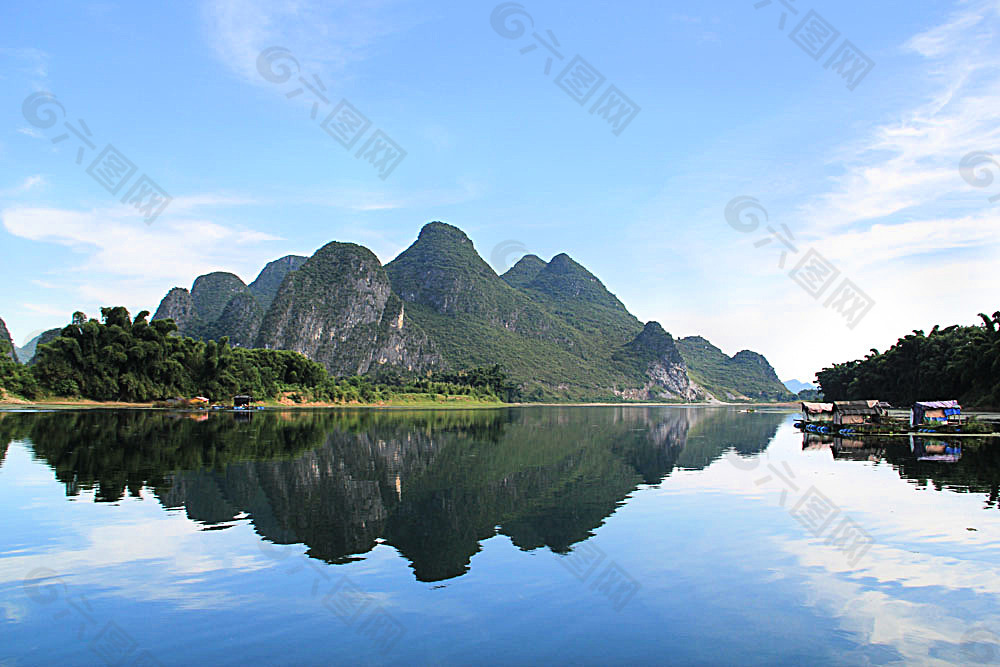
(856,412)
(817,412)
(933,411)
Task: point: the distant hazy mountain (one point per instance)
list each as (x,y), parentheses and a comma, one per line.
(26,354)
(795,386)
(553,326)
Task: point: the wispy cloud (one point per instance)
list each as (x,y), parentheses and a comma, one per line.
(910,164)
(46,309)
(122,261)
(30,62)
(325,37)
(897,219)
(28,184)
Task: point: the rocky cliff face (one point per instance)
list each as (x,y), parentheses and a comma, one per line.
(338,309)
(178,306)
(211,294)
(267,283)
(654,353)
(219,304)
(240,321)
(553,326)
(5,337)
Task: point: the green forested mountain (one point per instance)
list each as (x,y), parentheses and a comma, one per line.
(220,304)
(744,375)
(266,286)
(121,359)
(552,326)
(339,309)
(524,271)
(5,338)
(958,362)
(211,293)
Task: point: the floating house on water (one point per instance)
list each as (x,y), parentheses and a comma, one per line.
(934,411)
(857,412)
(817,412)
(242,401)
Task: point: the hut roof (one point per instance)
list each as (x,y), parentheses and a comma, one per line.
(816,408)
(869,407)
(935,405)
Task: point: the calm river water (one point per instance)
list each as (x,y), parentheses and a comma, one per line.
(617,535)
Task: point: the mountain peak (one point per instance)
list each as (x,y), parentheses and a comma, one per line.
(653,328)
(212,291)
(441,231)
(338,309)
(442,269)
(654,339)
(746,372)
(567,280)
(526,270)
(266,285)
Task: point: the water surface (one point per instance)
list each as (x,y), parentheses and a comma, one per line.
(570,535)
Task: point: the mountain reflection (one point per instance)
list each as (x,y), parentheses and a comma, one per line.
(433,484)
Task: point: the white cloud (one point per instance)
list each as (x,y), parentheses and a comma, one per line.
(30,183)
(898,220)
(324,37)
(912,160)
(123,261)
(31,132)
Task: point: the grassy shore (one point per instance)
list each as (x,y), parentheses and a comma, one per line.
(431,401)
(436,401)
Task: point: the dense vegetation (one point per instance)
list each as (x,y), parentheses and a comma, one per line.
(14,377)
(121,359)
(958,362)
(553,326)
(746,372)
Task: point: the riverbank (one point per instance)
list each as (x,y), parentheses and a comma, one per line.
(444,402)
(419,401)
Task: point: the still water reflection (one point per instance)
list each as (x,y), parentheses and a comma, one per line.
(587,535)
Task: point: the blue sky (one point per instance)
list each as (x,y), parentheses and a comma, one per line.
(730,106)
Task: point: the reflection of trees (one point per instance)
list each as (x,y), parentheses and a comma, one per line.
(977,471)
(432,484)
